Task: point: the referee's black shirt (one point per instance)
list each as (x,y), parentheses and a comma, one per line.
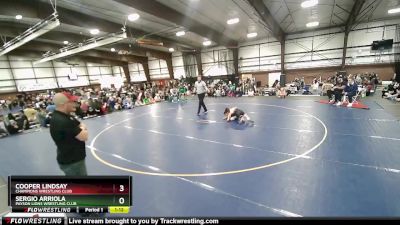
(63,129)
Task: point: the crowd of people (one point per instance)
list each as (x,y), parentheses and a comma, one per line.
(27,111)
(392,91)
(341,88)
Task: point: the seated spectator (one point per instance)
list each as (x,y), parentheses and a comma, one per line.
(84,108)
(157,98)
(161,94)
(173,95)
(395,96)
(12,127)
(223,93)
(79,111)
(238,92)
(127,103)
(151,100)
(22,121)
(217,93)
(44,117)
(251,92)
(91,112)
(315,85)
(370,88)
(104,107)
(211,92)
(397,99)
(338,91)
(111,103)
(3,129)
(30,113)
(97,106)
(182,91)
(139,100)
(117,106)
(358,79)
(51,107)
(281,93)
(327,89)
(10,124)
(350,91)
(391,88)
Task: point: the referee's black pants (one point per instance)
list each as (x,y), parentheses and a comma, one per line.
(201,102)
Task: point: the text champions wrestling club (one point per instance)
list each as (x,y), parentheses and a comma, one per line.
(44,188)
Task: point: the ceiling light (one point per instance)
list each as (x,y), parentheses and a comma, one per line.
(312,24)
(180,33)
(171,49)
(98,42)
(133,17)
(251,35)
(18,17)
(113,49)
(309,3)
(207,43)
(232,21)
(35,31)
(94,31)
(395,10)
(65,42)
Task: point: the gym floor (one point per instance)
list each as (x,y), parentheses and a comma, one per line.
(301,158)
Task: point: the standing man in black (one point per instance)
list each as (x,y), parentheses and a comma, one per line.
(69,135)
(201,89)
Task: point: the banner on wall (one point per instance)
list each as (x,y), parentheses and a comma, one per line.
(36,87)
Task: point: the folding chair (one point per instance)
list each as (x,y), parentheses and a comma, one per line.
(357,97)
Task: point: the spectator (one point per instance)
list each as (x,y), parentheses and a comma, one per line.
(327,89)
(351,91)
(22,121)
(10,124)
(338,91)
(51,107)
(30,113)
(281,93)
(44,117)
(3,129)
(84,108)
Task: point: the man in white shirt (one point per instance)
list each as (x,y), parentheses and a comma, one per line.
(201,89)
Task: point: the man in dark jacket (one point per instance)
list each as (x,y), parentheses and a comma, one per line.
(351,91)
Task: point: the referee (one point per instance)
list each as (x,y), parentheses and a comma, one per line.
(69,135)
(201,89)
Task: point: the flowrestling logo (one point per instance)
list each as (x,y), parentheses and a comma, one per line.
(32,220)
